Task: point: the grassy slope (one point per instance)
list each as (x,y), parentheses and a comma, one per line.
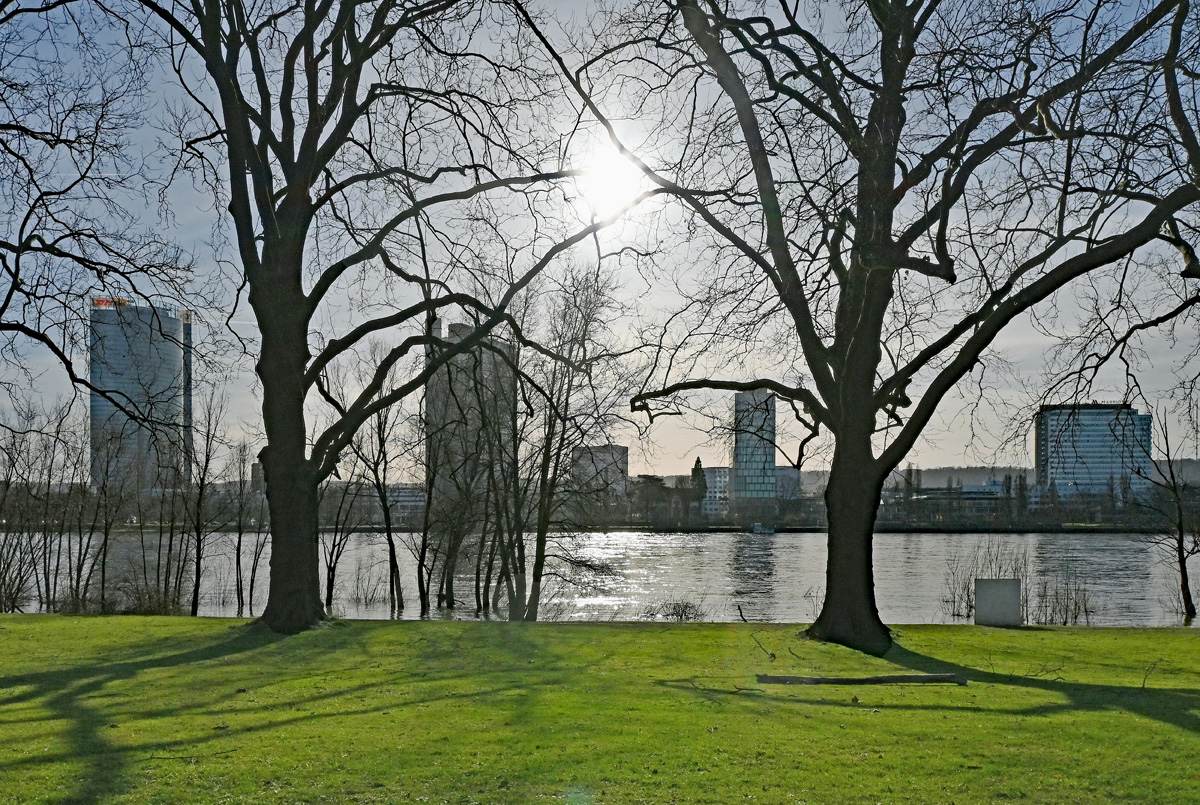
(174,709)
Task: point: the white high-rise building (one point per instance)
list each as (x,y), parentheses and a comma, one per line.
(716,498)
(1093,448)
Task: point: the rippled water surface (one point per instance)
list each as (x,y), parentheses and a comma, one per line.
(777,577)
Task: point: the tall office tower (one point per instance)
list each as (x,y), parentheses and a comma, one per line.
(141,357)
(601,470)
(1092,448)
(598,486)
(752,474)
(469,406)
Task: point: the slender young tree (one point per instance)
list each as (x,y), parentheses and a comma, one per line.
(245,516)
(1172,502)
(377,448)
(555,407)
(208,511)
(887,186)
(344,506)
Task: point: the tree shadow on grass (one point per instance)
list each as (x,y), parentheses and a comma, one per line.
(1176,707)
(69,695)
(83,696)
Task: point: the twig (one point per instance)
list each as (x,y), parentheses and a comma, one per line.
(1150,670)
(187,757)
(740,615)
(771,654)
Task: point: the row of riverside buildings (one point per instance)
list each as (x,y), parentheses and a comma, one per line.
(142,357)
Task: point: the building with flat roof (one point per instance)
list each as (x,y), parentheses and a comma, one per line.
(140,363)
(752,471)
(406,502)
(1093,448)
(716,495)
(789,484)
(598,485)
(600,470)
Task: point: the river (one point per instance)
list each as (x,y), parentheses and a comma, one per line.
(779,578)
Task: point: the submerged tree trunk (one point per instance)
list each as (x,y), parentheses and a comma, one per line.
(1181,557)
(849,615)
(330,575)
(197,565)
(239,587)
(1185,584)
(395,590)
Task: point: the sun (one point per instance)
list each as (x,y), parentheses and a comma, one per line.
(609,183)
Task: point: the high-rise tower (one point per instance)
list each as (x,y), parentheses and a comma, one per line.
(140,357)
(752,474)
(469,405)
(1092,448)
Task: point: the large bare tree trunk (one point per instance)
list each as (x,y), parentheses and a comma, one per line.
(294,600)
(849,615)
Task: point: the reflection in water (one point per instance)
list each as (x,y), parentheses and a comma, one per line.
(779,577)
(752,572)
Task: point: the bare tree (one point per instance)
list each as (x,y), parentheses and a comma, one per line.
(1172,502)
(17,559)
(555,407)
(356,148)
(43,458)
(377,449)
(207,510)
(890,186)
(245,514)
(114,486)
(343,507)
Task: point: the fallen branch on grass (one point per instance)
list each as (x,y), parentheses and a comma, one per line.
(887,679)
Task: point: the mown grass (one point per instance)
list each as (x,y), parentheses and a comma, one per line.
(181,710)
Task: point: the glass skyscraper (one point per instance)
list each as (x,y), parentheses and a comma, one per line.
(1093,448)
(752,474)
(140,360)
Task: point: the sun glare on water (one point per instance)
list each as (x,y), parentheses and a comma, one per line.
(609,183)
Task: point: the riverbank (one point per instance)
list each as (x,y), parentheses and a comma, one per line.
(205,710)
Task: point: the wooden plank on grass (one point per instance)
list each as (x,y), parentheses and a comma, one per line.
(886,679)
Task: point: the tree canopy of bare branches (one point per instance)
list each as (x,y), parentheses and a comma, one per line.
(74,182)
(876,190)
(374,161)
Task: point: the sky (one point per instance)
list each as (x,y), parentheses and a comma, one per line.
(962,434)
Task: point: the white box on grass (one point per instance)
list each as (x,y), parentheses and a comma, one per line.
(998,602)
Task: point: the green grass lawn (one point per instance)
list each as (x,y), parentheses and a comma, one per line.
(127,709)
